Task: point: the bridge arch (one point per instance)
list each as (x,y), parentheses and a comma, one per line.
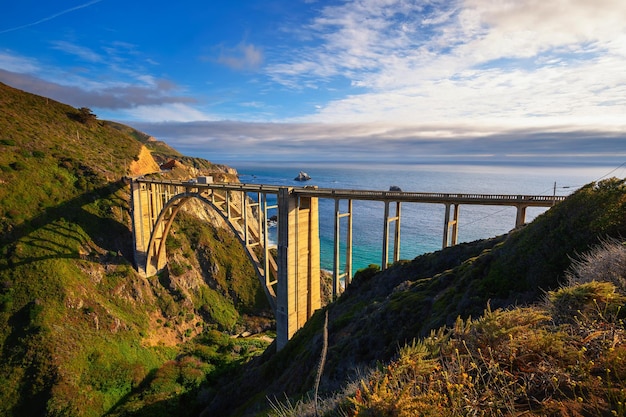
(291,282)
(156,259)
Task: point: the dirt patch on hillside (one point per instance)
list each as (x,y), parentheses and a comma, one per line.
(144,164)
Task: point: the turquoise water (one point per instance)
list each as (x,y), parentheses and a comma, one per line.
(422,224)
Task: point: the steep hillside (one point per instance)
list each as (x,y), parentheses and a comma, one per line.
(163,153)
(81,334)
(382,311)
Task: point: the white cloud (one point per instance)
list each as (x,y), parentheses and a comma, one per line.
(77,50)
(486,62)
(508,98)
(18,64)
(243,57)
(544,24)
(171,112)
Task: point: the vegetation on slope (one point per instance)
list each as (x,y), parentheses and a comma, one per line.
(81,334)
(564,356)
(49,155)
(382,311)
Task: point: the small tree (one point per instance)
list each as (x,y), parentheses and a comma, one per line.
(86,116)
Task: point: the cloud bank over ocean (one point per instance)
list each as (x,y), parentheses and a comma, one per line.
(398,79)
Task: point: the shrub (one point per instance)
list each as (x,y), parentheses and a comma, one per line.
(176,269)
(588,301)
(366,273)
(86,116)
(7,142)
(18,166)
(605,262)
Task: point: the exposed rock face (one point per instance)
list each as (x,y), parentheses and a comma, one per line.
(145,163)
(171,164)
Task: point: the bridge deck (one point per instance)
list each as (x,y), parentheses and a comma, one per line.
(401,196)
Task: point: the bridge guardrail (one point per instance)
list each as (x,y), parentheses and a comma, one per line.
(403,196)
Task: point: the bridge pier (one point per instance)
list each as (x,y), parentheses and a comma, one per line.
(347,274)
(299,280)
(147,203)
(396,235)
(451,239)
(520,218)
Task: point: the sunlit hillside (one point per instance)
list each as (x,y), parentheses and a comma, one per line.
(81,334)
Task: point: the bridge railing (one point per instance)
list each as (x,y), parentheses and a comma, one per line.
(354,194)
(408,196)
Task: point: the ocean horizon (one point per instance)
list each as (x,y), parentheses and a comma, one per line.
(422,224)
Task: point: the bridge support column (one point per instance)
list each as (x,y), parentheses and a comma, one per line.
(396,238)
(142,223)
(337,274)
(147,201)
(298,288)
(520,219)
(451,240)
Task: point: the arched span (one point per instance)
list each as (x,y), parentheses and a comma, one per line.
(156,258)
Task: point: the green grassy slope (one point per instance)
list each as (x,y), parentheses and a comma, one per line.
(81,334)
(381,311)
(47,156)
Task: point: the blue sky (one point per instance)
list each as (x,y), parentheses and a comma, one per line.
(306,80)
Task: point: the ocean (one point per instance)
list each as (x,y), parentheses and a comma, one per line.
(422,224)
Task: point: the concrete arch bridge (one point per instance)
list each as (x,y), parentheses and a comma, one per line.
(291,281)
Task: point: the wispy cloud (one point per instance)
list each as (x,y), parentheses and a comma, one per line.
(120,96)
(18,64)
(166,112)
(244,56)
(77,50)
(52,16)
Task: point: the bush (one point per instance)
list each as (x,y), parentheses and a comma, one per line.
(366,273)
(86,116)
(176,269)
(589,301)
(605,262)
(18,166)
(7,142)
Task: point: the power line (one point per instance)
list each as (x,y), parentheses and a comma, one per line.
(543,193)
(596,180)
(606,175)
(487,216)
